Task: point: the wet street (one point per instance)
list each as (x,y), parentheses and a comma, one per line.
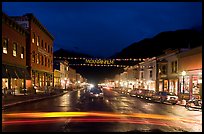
(114,113)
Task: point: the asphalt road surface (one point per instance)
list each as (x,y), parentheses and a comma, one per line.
(116,112)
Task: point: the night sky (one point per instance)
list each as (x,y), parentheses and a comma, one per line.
(102,29)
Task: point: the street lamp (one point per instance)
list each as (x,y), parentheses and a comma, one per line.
(183,74)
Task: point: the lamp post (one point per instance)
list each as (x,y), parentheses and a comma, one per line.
(183,74)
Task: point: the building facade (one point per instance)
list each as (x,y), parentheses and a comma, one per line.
(147,75)
(190,73)
(15,75)
(61,78)
(39,51)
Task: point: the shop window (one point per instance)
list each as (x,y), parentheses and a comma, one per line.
(5,46)
(14,49)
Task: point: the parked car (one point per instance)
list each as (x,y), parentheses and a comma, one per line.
(133,92)
(194,104)
(163,96)
(149,94)
(128,90)
(140,93)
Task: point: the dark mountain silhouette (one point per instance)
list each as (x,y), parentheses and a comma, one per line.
(145,48)
(67,53)
(155,46)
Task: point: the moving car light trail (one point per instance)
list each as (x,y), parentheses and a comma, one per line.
(111,117)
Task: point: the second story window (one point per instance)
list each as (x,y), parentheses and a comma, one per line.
(164,69)
(42,44)
(14,49)
(33,57)
(45,46)
(48,48)
(22,52)
(33,38)
(48,62)
(42,60)
(38,41)
(45,61)
(38,57)
(5,46)
(142,75)
(150,74)
(174,67)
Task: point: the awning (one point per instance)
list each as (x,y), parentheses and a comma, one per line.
(23,73)
(26,74)
(11,71)
(20,73)
(4,74)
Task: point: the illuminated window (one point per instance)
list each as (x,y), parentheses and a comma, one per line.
(22,52)
(14,49)
(38,40)
(38,57)
(33,39)
(5,46)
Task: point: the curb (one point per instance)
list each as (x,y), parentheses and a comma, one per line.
(30,100)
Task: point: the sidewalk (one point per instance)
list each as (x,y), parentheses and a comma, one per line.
(11,100)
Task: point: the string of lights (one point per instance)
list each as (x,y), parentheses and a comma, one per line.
(111,65)
(98,65)
(82,58)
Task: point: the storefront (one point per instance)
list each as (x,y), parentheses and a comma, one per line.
(13,79)
(191,84)
(151,85)
(173,86)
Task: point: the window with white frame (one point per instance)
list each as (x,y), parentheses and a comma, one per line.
(14,49)
(33,38)
(5,46)
(22,52)
(38,40)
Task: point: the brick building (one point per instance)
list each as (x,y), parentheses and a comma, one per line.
(39,51)
(14,68)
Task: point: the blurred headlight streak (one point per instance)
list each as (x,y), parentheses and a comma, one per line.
(95,114)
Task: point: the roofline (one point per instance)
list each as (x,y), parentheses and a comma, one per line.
(7,17)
